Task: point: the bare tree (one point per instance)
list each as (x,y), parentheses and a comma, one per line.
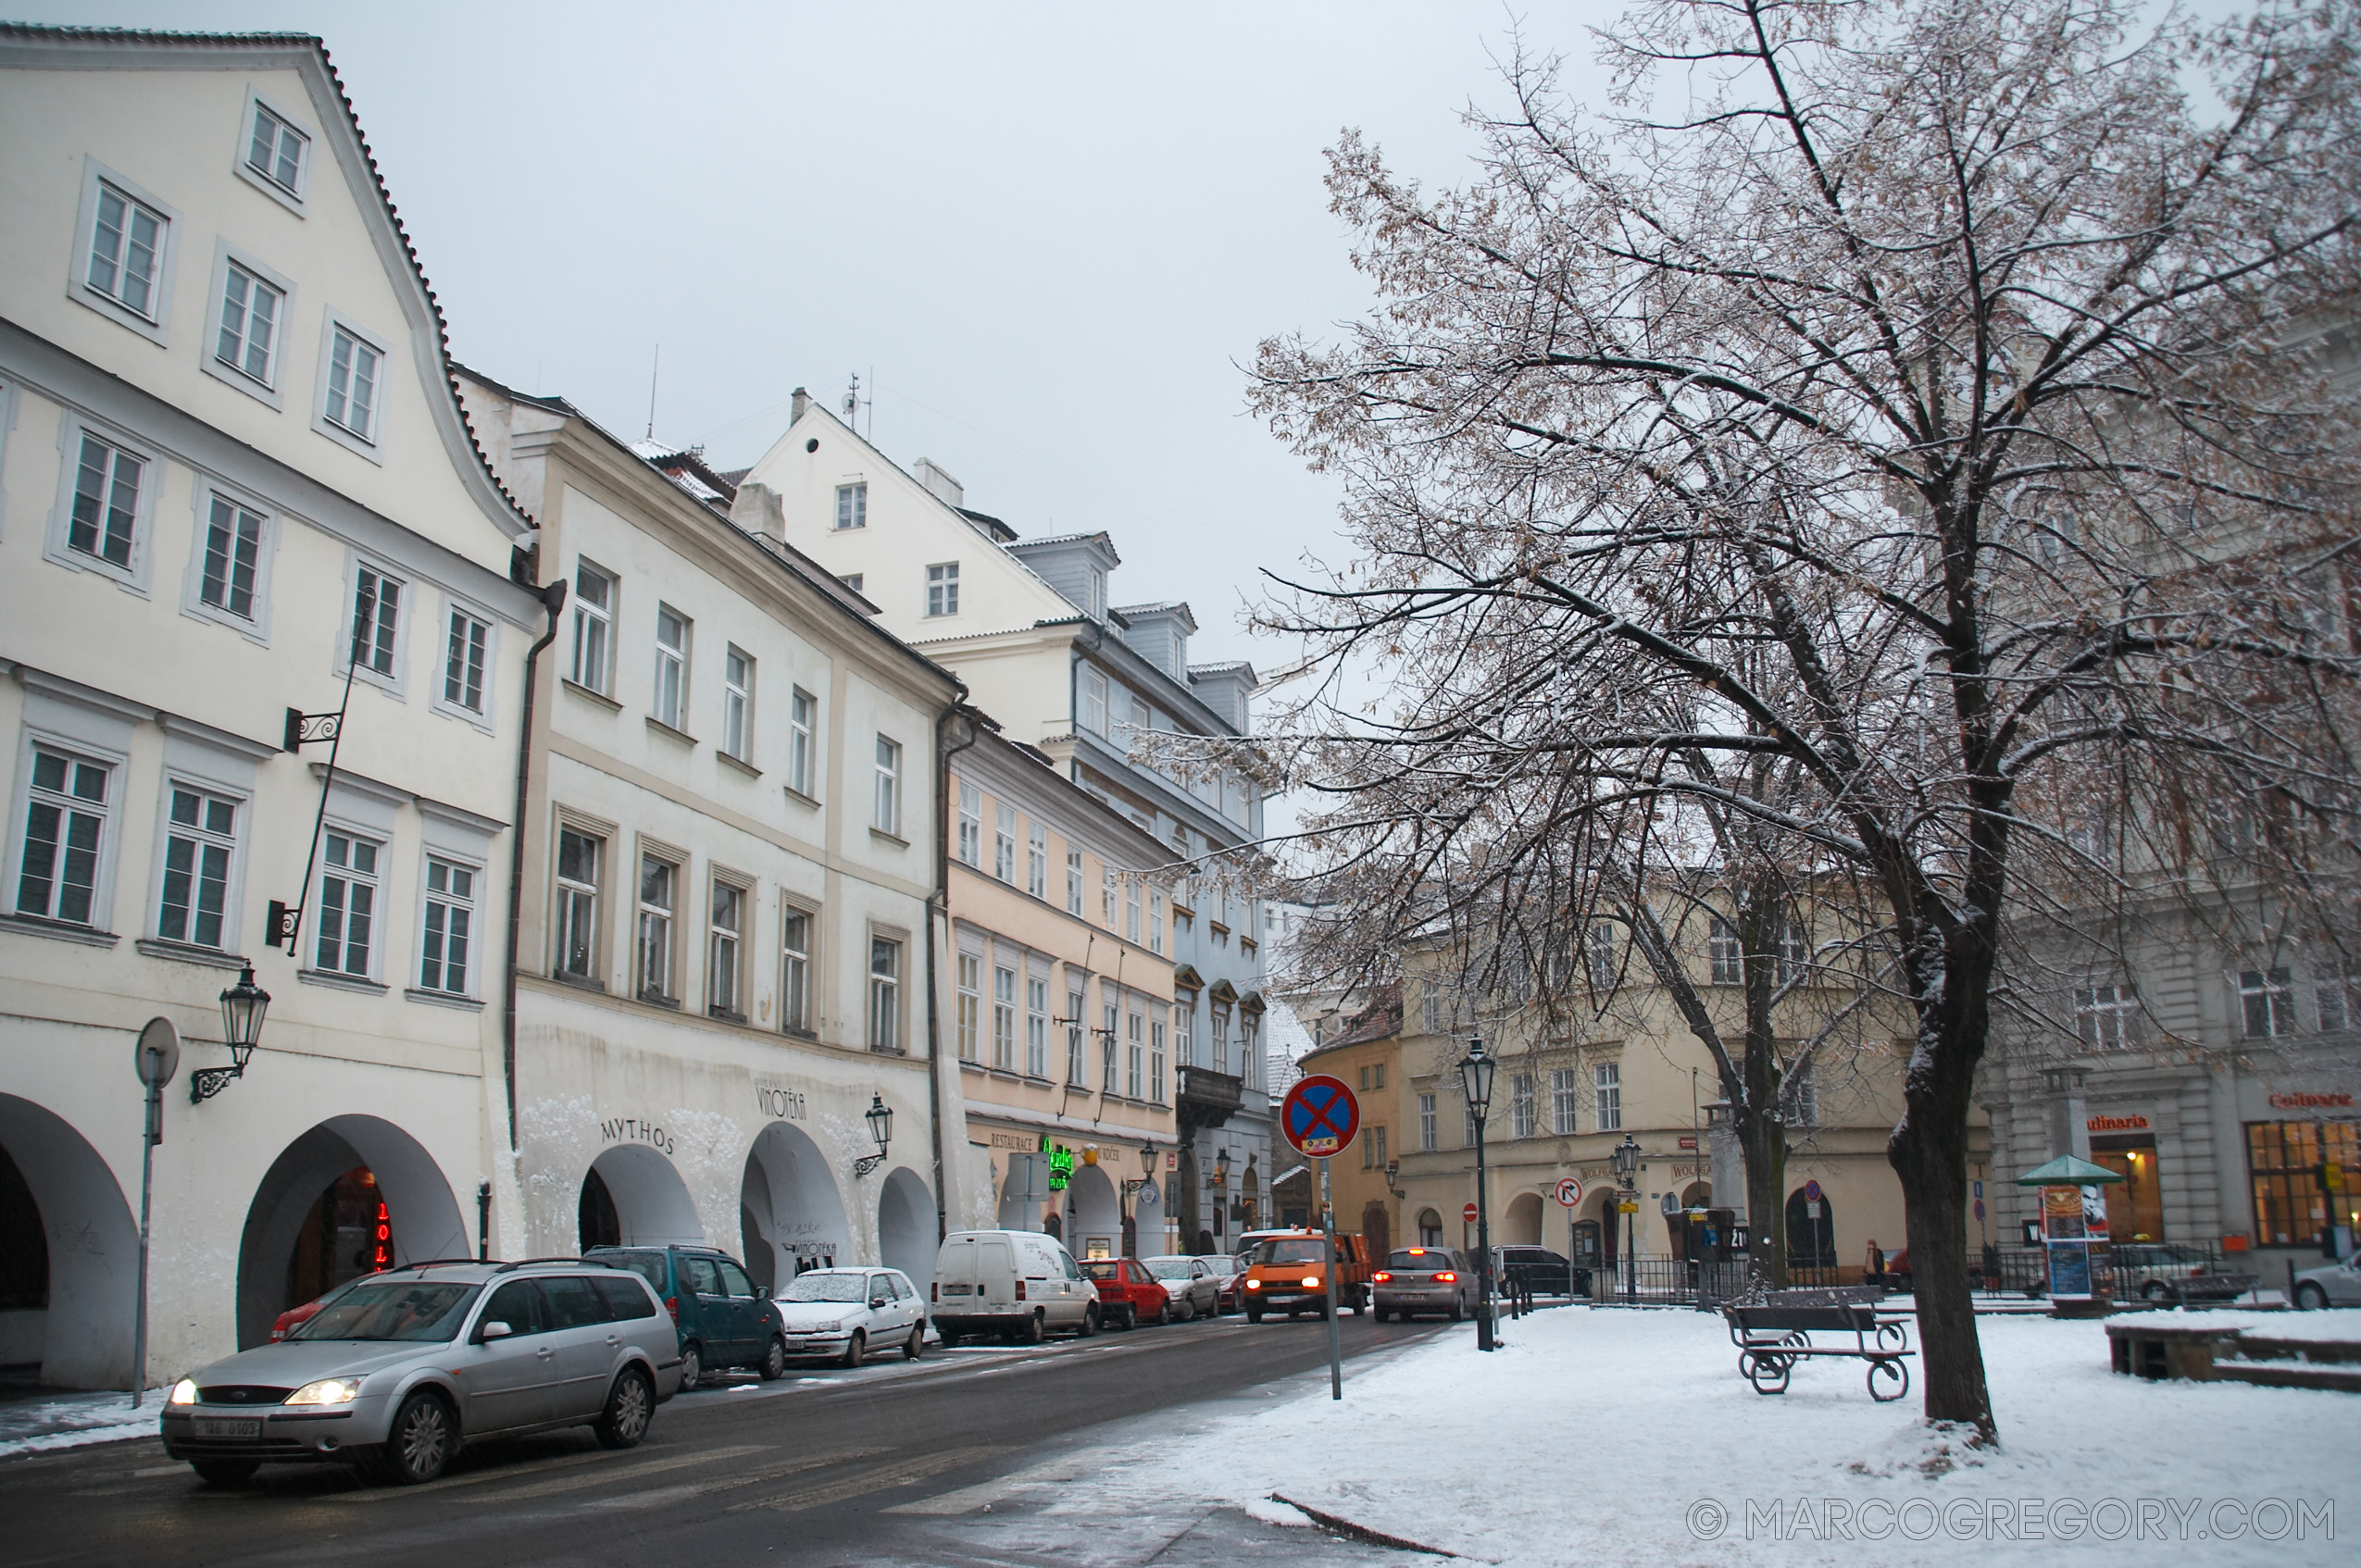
(1884,414)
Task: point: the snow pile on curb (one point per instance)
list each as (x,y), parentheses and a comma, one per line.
(69,1421)
(1629,1437)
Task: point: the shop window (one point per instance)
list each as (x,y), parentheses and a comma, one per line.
(2283,1161)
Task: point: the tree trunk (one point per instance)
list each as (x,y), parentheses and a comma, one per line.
(1928,1152)
(1763,1141)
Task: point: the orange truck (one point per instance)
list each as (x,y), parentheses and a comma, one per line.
(1289,1273)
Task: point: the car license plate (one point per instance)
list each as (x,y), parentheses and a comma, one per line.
(209,1426)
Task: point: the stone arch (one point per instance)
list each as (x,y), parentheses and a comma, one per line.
(633,1197)
(1811,1240)
(1521,1226)
(905,1238)
(1610,1226)
(73,1263)
(792,1213)
(304,1186)
(1099,1215)
(1429,1228)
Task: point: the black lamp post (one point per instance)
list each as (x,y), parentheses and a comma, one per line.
(880,1116)
(1475,1076)
(1626,1161)
(242,1007)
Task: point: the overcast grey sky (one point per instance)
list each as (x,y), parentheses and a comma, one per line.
(1045,235)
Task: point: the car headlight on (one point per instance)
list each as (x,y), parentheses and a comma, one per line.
(184,1392)
(1312,1279)
(1253,1285)
(327,1392)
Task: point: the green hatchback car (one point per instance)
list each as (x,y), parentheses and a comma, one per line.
(723,1317)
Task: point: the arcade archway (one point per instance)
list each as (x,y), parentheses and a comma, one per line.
(790,1214)
(632,1197)
(1522,1224)
(905,1237)
(353,1194)
(68,1256)
(1098,1214)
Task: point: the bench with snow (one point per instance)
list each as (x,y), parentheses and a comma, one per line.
(1775,1333)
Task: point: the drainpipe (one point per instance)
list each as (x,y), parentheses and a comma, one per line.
(553,600)
(941,905)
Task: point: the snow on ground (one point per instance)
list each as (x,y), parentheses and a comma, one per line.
(1629,1437)
(67,1420)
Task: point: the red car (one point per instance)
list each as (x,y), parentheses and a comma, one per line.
(1128,1294)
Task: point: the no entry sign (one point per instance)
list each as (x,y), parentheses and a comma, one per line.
(1319,1116)
(1468,1213)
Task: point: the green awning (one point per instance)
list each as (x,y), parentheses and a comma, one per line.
(2068,1171)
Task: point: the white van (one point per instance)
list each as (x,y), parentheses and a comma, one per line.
(1012,1284)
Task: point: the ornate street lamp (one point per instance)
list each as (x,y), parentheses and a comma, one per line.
(1475,1076)
(1626,1163)
(243,1008)
(1221,1168)
(880,1116)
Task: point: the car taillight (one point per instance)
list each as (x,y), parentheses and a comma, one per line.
(672,1305)
(1446,1279)
(1381,1277)
(1020,1290)
(934,1290)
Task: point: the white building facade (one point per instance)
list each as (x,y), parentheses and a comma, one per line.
(1032,629)
(731,860)
(234,482)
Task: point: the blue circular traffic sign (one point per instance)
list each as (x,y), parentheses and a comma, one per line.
(1319,1116)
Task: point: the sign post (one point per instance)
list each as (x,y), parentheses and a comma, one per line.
(1570,1197)
(155,1059)
(1318,1118)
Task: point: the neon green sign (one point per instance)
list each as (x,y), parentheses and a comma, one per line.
(1061,1164)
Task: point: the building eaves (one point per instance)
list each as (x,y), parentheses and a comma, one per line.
(312,42)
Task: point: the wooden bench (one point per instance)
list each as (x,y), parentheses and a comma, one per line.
(1775,1333)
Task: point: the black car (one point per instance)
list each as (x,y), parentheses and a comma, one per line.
(1539,1271)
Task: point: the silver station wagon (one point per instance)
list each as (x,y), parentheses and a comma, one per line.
(398,1369)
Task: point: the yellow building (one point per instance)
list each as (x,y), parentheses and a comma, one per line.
(1061,993)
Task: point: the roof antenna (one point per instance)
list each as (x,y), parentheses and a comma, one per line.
(853,404)
(654,365)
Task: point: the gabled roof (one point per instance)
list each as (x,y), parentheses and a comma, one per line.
(310,48)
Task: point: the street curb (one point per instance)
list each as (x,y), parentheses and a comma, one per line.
(1361,1533)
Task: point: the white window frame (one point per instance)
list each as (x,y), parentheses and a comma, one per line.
(968,1009)
(885,1032)
(1565,1102)
(1078,1057)
(1155,921)
(970,847)
(567,894)
(796,966)
(369,443)
(1249,1050)
(887,806)
(75,750)
(2106,1017)
(644,914)
(737,703)
(155,325)
(2274,990)
(396,682)
(134,574)
(1004,841)
(1036,1022)
(1135,1054)
(472,965)
(233,843)
(1075,882)
(943,590)
(1426,1123)
(852,512)
(270,388)
(668,701)
(1725,954)
(1184,1028)
(726,942)
(1003,1016)
(802,744)
(1156,1060)
(203,495)
(1037,858)
(1521,1119)
(1606,1086)
(594,624)
(438,696)
(1093,700)
(293,198)
(1131,919)
(375,879)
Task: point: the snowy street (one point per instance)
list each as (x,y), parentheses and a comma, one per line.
(1629,1437)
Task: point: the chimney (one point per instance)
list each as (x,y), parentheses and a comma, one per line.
(758,510)
(803,399)
(940,485)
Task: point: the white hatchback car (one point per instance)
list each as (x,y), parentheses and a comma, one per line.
(1195,1289)
(845,1314)
(2332,1285)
